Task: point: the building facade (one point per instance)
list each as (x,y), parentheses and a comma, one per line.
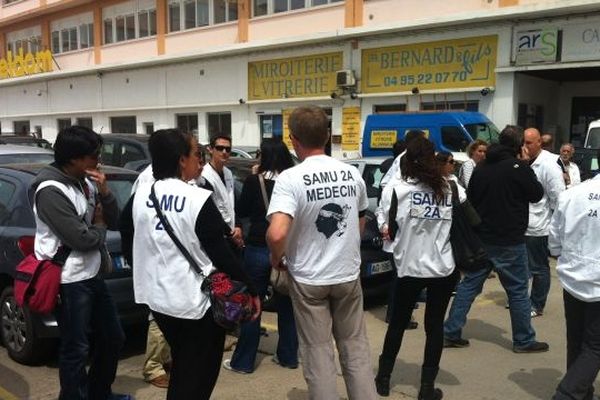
(240,66)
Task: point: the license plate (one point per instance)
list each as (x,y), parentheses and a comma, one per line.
(119,263)
(380,267)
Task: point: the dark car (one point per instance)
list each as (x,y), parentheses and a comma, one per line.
(376,271)
(25,140)
(28,337)
(125,150)
(588,161)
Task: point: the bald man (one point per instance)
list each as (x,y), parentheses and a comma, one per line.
(549,174)
(548,142)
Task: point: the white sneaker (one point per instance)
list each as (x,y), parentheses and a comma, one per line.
(535,313)
(228,367)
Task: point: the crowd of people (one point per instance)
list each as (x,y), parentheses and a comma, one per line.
(531,203)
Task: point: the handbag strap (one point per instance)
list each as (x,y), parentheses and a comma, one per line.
(167,226)
(263,190)
(454,188)
(60,258)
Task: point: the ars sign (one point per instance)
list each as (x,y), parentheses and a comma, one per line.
(536,46)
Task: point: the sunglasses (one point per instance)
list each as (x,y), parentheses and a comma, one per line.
(226,149)
(450,162)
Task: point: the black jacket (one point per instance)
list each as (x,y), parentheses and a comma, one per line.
(501,189)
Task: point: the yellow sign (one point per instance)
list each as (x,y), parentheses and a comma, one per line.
(25,64)
(307,76)
(286,129)
(448,64)
(351,128)
(383,139)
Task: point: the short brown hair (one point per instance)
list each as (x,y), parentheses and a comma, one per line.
(310,126)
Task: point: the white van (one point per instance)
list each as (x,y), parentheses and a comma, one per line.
(592,139)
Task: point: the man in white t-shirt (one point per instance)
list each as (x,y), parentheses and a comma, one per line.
(570,170)
(317,215)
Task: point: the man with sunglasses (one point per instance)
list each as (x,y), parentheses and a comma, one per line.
(220,180)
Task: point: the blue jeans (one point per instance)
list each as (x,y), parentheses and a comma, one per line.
(510,262)
(257,266)
(87,313)
(539,270)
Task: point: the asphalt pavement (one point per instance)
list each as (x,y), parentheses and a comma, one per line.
(487,370)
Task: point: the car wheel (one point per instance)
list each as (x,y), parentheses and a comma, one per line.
(17,332)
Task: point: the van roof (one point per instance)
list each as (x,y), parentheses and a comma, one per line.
(464,117)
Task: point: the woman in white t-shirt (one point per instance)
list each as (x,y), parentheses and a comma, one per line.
(420,215)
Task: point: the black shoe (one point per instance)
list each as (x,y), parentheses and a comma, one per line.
(412,325)
(534,347)
(456,343)
(430,394)
(382,384)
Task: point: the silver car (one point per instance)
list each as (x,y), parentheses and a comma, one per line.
(13,154)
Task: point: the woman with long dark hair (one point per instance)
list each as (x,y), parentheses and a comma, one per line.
(163,278)
(274,159)
(420,215)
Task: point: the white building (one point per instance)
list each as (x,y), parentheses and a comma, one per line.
(240,66)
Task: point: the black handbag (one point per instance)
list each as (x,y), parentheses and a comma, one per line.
(467,248)
(231,302)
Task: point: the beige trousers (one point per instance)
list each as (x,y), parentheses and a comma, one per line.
(158,353)
(323,311)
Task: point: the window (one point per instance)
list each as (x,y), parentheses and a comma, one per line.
(264,7)
(271,125)
(148,127)
(372,176)
(187,122)
(388,108)
(219,123)
(123,124)
(28,44)
(130,153)
(74,33)
(7,190)
(147,23)
(21,127)
(128,21)
(454,139)
(86,121)
(468,105)
(189,14)
(63,123)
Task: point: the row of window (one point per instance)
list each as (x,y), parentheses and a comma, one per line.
(217,122)
(137,23)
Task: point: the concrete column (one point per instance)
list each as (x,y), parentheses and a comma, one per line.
(243,20)
(98,35)
(46,45)
(161,26)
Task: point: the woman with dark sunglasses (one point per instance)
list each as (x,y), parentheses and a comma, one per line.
(275,158)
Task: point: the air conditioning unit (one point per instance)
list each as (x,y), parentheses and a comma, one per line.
(345,78)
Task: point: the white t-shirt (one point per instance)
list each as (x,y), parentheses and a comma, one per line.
(422,244)
(324,197)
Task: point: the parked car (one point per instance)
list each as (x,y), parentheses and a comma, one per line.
(249,152)
(27,336)
(588,161)
(124,149)
(25,140)
(592,137)
(13,154)
(376,271)
(371,173)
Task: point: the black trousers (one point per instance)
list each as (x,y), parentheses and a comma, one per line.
(407,291)
(197,351)
(583,349)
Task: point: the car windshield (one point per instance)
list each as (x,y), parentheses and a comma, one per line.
(483,131)
(593,139)
(35,158)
